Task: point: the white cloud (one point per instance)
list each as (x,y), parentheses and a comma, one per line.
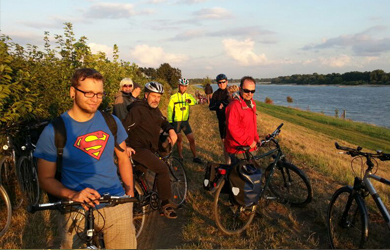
(242,52)
(148,56)
(336,62)
(213,13)
(95,48)
(110,10)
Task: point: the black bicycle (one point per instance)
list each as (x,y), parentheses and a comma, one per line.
(88,232)
(26,167)
(150,201)
(348,217)
(285,181)
(10,195)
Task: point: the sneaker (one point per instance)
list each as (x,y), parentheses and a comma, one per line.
(198,160)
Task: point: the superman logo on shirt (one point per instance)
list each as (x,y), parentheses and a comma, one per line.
(93,143)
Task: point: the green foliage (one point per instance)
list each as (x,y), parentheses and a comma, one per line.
(206,81)
(169,74)
(36,83)
(290,99)
(268,100)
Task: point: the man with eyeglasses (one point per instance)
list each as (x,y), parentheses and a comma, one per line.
(218,103)
(87,167)
(241,120)
(123,98)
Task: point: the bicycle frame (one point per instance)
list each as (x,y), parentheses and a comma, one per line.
(374,194)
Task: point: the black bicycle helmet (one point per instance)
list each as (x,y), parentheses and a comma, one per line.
(154,87)
(221,77)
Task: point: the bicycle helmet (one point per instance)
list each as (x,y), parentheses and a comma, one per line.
(154,87)
(184,82)
(221,77)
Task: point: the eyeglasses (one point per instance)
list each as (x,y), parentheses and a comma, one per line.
(247,91)
(91,94)
(128,86)
(221,82)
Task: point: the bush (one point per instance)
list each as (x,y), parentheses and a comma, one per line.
(269,100)
(289,99)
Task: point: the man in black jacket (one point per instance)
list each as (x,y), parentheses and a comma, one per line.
(218,103)
(143,124)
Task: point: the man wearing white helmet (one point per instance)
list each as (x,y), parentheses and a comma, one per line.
(143,124)
(178,116)
(123,98)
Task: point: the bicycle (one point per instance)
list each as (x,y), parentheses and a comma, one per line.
(347,215)
(91,234)
(284,180)
(10,195)
(26,167)
(150,196)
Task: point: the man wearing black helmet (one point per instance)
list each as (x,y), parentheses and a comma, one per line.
(143,124)
(218,103)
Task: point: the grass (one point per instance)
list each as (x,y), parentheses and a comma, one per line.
(307,140)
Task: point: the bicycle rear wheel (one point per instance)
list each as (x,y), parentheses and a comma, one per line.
(9,181)
(28,179)
(139,211)
(5,211)
(229,217)
(347,227)
(290,184)
(178,178)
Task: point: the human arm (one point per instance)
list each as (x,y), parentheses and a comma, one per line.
(48,182)
(125,170)
(170,108)
(191,100)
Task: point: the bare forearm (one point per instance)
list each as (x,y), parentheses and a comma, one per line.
(54,187)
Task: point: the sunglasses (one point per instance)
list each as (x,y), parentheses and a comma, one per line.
(221,82)
(129,86)
(247,91)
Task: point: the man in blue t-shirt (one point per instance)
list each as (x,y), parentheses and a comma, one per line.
(88,169)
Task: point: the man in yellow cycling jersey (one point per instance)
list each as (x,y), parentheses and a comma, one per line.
(178,115)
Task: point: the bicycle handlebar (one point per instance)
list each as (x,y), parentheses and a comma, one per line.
(358,151)
(105,199)
(268,138)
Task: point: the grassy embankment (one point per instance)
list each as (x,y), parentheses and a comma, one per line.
(308,141)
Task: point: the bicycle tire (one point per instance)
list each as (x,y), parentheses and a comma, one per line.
(350,232)
(229,217)
(290,184)
(9,181)
(5,211)
(28,180)
(179,183)
(139,211)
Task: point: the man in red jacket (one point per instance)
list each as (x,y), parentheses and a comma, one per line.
(241,123)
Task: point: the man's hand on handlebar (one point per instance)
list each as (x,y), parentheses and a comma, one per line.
(172,138)
(87,195)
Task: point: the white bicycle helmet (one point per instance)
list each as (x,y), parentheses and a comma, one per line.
(154,87)
(184,82)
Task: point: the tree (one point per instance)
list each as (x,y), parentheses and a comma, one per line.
(169,74)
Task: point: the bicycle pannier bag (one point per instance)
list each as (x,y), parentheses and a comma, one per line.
(245,183)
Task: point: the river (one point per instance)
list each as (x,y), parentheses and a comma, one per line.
(361,103)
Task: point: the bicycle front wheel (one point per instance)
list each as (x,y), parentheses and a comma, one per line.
(139,211)
(231,218)
(347,225)
(290,184)
(8,180)
(28,179)
(179,183)
(5,211)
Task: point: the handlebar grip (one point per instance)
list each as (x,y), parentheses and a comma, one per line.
(280,126)
(34,208)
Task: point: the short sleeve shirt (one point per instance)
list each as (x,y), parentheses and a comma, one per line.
(88,157)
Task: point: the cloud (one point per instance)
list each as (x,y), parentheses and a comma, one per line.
(110,11)
(213,13)
(148,56)
(242,52)
(95,48)
(24,38)
(188,35)
(362,44)
(249,31)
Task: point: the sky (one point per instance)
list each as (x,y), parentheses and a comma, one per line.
(203,38)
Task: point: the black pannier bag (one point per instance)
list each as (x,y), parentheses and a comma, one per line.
(245,184)
(212,175)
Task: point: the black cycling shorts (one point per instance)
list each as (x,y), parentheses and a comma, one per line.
(183,125)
